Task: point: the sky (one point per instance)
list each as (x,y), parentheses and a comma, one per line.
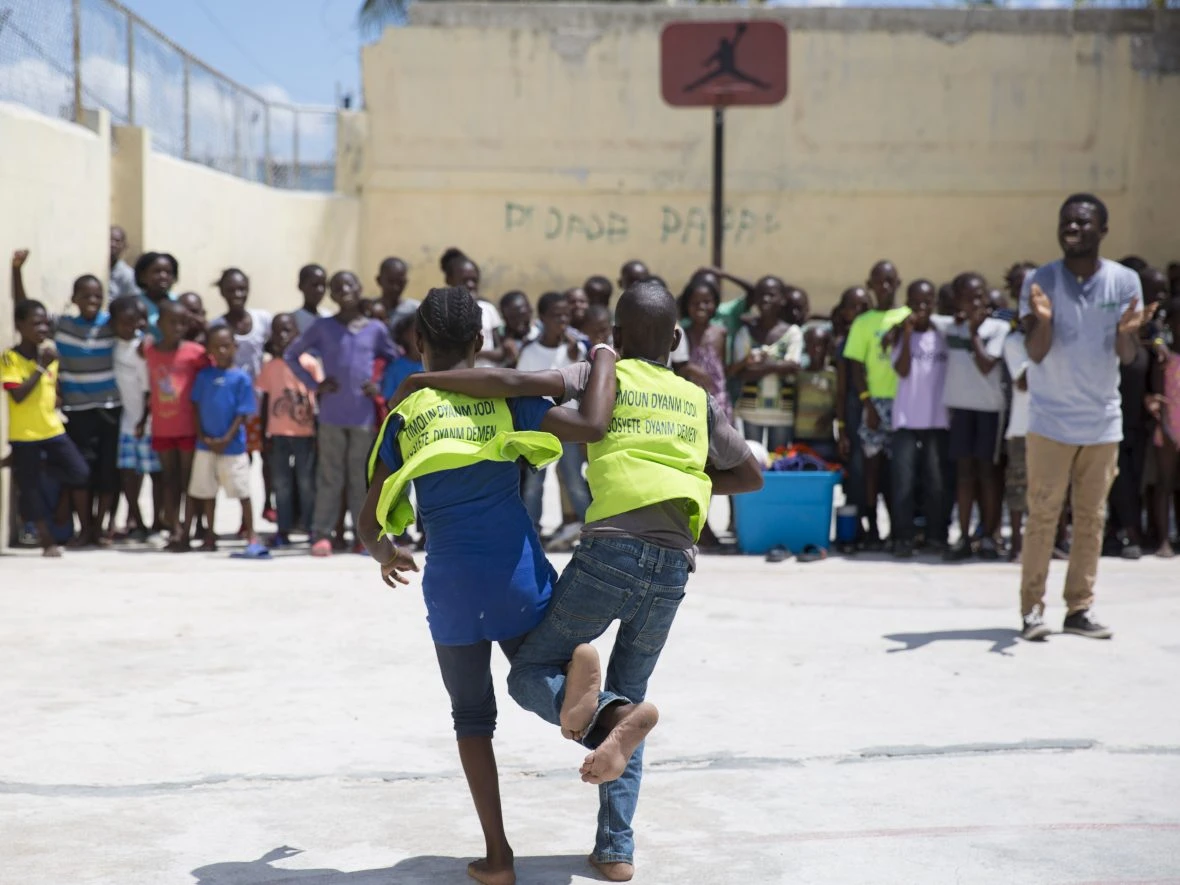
(304,51)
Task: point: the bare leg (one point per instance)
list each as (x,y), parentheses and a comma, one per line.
(483,780)
(1017,519)
(80,498)
(965,494)
(49,547)
(248,521)
(872,489)
(990,486)
(132,485)
(1166,459)
(159,508)
(104,518)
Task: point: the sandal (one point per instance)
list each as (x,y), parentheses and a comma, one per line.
(778,553)
(812,553)
(252,551)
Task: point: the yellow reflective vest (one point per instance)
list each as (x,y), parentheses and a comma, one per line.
(655,448)
(443,431)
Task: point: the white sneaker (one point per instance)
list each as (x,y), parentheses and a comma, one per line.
(156,541)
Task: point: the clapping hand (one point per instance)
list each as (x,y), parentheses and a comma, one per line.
(19,257)
(1134,317)
(1042,307)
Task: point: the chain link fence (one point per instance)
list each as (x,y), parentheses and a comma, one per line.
(62,56)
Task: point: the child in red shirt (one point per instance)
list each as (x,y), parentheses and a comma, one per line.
(172,365)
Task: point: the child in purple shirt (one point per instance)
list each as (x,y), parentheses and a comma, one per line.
(347,344)
(919,422)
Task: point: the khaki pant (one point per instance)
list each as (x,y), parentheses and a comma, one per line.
(1087,473)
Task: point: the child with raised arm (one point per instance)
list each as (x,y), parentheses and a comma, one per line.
(29,373)
(668,447)
(486,579)
(224,400)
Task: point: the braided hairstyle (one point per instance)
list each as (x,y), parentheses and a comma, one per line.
(450,319)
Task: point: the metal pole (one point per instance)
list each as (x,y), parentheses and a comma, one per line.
(77,16)
(130,71)
(718,183)
(187,148)
(269,172)
(296,171)
(238,137)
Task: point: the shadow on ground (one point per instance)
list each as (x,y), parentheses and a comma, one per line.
(424,870)
(1000,638)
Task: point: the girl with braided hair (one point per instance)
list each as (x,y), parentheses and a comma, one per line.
(486,579)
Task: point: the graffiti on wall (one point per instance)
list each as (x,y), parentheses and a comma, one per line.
(686,226)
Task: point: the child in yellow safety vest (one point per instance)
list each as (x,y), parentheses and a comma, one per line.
(486,579)
(667,449)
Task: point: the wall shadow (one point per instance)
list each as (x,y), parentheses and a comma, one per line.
(421,870)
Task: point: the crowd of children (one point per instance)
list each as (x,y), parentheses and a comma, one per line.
(924,404)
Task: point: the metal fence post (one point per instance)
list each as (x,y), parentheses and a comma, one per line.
(77,16)
(130,71)
(187,150)
(268,173)
(296,170)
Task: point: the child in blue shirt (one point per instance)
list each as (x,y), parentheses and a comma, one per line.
(487,579)
(409,363)
(224,399)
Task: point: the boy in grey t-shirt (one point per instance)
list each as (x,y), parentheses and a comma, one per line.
(975,397)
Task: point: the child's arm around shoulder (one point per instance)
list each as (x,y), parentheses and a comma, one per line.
(487,383)
(595,406)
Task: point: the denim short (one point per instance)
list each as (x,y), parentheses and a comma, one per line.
(873,442)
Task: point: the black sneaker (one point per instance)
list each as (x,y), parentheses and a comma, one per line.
(1131,551)
(1035,628)
(1080,623)
(903,550)
(988,551)
(958,552)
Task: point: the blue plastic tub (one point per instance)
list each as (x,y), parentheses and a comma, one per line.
(792,510)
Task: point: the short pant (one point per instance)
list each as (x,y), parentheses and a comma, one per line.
(974,435)
(1016,477)
(95,433)
(231,473)
(873,442)
(174,443)
(135,453)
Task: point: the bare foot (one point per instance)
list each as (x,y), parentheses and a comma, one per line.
(179,545)
(105,540)
(52,552)
(209,545)
(610,759)
(583,680)
(1165,550)
(483,871)
(619,871)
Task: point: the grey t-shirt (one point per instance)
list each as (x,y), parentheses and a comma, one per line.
(1074,391)
(405,307)
(252,345)
(966,386)
(664,524)
(122,280)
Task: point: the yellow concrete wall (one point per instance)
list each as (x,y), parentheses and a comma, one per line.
(210,221)
(538,142)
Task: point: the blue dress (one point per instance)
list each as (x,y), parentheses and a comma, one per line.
(486,575)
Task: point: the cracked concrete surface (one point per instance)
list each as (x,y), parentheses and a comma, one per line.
(239,723)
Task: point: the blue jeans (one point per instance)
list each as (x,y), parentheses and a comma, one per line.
(641,586)
(910,462)
(569,473)
(292,464)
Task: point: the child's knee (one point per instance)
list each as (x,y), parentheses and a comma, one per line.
(475,720)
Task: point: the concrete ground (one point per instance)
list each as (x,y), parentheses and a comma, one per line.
(205,720)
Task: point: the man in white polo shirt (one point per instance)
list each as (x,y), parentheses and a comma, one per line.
(1081,317)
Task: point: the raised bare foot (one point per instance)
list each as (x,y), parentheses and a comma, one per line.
(608,762)
(52,552)
(618,871)
(492,874)
(583,680)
